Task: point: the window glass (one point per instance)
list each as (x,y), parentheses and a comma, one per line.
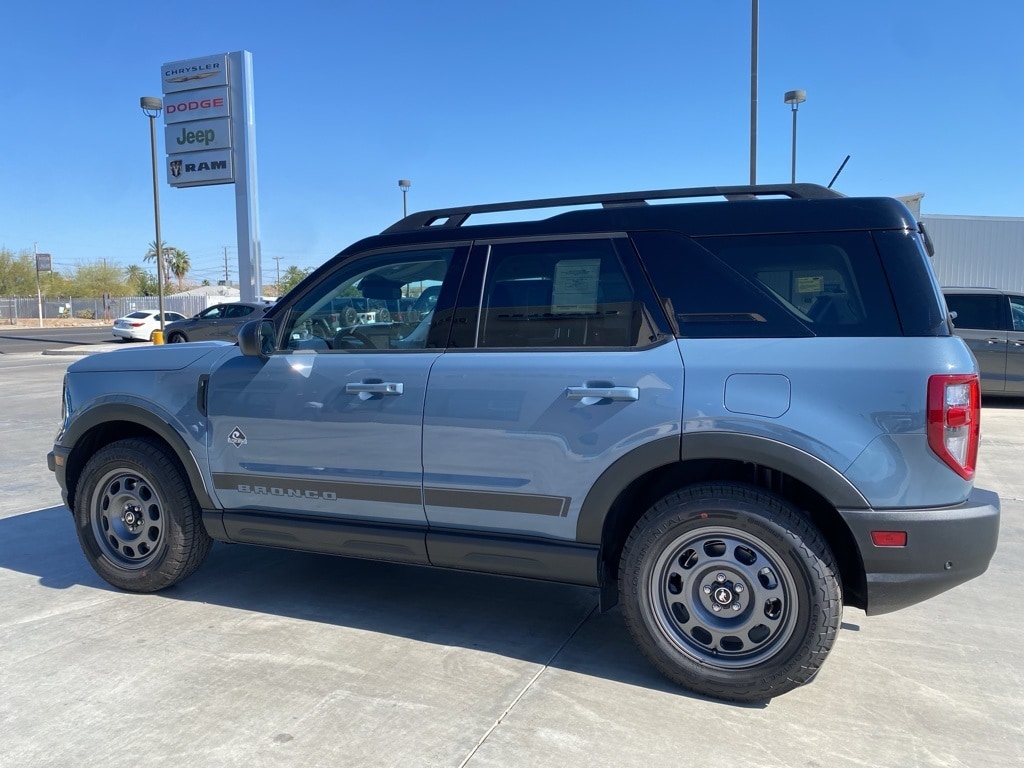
(557,294)
(213,312)
(377,302)
(1017,312)
(976,310)
(823,284)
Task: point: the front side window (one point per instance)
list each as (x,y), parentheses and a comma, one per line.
(378,302)
(1017,312)
(562,293)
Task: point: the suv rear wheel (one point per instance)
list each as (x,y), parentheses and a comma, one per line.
(137,520)
(730,592)
(177,338)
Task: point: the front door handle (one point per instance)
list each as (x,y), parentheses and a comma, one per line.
(375,388)
(591,395)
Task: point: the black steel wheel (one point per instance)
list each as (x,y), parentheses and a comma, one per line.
(730,592)
(138,521)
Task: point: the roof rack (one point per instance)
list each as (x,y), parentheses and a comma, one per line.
(443,218)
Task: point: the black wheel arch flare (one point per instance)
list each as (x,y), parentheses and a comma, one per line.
(808,469)
(114,421)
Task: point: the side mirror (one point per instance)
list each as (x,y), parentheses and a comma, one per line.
(256,338)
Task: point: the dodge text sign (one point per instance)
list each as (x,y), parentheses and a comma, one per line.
(196,105)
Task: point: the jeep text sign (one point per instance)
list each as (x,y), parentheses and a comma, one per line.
(195,168)
(196,105)
(197,135)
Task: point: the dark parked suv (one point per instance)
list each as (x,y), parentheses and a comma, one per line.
(731,416)
(221,321)
(992,323)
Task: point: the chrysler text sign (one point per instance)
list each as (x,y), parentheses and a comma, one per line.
(194,73)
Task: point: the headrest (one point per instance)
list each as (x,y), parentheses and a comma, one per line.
(377,287)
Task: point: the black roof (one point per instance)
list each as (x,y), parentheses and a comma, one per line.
(741,210)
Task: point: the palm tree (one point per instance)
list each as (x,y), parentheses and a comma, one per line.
(136,277)
(178,264)
(165,250)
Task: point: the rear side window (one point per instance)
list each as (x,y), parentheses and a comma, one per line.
(565,293)
(821,284)
(982,311)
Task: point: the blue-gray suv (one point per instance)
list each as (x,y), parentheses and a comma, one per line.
(730,410)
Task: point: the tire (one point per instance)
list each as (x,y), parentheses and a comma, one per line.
(177,338)
(383,315)
(137,519)
(765,567)
(349,316)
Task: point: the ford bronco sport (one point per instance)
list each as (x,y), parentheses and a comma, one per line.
(730,416)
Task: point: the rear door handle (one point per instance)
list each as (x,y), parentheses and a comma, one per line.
(593,394)
(375,388)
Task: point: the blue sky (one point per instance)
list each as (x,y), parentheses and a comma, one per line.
(488,101)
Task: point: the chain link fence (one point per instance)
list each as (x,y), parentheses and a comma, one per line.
(15,309)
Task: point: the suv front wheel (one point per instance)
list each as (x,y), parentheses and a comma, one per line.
(137,520)
(730,592)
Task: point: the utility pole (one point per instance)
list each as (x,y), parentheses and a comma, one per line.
(277,285)
(227,275)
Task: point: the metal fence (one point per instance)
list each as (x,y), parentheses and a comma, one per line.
(15,308)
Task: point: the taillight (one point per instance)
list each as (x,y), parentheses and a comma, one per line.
(954,420)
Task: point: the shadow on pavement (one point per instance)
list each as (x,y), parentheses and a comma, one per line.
(520,619)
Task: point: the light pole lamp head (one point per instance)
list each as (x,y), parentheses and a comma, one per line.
(151,105)
(795,97)
(404,184)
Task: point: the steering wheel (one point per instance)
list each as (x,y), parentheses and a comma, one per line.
(346,337)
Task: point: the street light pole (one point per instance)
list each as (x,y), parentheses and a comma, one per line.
(404,185)
(753,92)
(795,98)
(151,107)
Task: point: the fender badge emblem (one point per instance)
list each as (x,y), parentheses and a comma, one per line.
(237,437)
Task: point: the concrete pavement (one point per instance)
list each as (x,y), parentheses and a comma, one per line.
(273,658)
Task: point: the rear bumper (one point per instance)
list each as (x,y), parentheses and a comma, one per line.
(945,547)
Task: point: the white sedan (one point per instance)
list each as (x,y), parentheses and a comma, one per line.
(141,324)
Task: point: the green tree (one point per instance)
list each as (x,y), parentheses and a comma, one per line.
(292,277)
(17,273)
(96,278)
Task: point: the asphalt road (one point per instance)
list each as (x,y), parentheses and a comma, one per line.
(274,658)
(15,341)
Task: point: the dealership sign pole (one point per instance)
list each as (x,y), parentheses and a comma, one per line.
(43,264)
(210,137)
